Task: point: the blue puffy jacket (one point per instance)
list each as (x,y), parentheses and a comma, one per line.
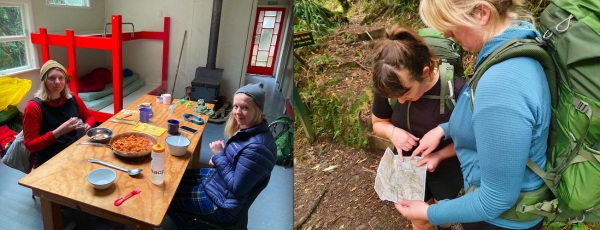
(248,158)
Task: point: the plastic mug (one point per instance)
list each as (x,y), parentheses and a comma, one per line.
(145,115)
(173,127)
(80,128)
(166,99)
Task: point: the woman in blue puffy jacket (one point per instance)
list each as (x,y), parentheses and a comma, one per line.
(240,164)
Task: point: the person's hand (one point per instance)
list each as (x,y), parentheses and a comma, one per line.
(432,161)
(402,139)
(429,142)
(65,127)
(87,127)
(217,146)
(412,209)
(211,163)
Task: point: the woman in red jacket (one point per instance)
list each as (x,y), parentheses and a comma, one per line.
(50,119)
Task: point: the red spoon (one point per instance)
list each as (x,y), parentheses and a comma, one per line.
(120,200)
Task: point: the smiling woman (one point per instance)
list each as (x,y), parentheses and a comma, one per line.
(50,119)
(242,165)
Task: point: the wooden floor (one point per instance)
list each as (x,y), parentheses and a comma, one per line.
(273,209)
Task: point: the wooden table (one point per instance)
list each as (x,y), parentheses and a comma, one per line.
(63,179)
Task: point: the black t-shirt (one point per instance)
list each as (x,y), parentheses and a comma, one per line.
(424,116)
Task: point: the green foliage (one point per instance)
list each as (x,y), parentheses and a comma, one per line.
(334,80)
(578,226)
(556,225)
(331,118)
(309,15)
(399,9)
(321,60)
(535,7)
(12,53)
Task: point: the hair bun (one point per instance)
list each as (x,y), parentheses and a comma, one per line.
(400,33)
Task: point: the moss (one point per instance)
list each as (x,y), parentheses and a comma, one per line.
(321,60)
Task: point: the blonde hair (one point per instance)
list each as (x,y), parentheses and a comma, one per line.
(444,15)
(43,92)
(232,126)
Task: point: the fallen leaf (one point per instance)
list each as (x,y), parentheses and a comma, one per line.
(372,166)
(352,190)
(309,228)
(360,161)
(316,167)
(330,168)
(336,155)
(342,227)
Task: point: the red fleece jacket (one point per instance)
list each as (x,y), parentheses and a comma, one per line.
(32,119)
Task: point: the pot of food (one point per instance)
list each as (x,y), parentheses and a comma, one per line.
(129,144)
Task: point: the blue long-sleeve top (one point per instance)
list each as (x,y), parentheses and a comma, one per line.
(508,125)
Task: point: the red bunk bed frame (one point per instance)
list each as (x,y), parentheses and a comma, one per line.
(113,43)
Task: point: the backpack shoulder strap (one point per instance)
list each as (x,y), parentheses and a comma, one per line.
(393,102)
(518,48)
(446,75)
(446,97)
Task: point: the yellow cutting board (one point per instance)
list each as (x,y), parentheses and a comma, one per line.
(150,129)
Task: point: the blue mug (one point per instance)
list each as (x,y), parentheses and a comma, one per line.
(145,115)
(173,127)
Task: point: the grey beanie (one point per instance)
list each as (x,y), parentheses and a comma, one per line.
(256,92)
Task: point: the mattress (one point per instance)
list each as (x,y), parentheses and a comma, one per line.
(108,89)
(107,100)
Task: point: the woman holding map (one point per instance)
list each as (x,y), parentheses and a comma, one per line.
(406,104)
(507,124)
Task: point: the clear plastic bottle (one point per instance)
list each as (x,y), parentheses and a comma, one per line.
(158,164)
(80,128)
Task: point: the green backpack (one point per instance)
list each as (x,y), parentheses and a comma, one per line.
(571,61)
(449,53)
(284,139)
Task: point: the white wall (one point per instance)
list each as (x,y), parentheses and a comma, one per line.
(145,56)
(58,19)
(237,21)
(194,16)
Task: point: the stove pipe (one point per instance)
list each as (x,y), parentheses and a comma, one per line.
(213,40)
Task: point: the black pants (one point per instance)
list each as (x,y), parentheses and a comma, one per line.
(487,226)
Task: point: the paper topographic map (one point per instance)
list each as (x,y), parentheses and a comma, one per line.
(400,180)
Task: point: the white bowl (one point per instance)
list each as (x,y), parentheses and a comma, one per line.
(176,147)
(102,178)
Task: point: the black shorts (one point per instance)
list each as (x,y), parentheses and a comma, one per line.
(445,185)
(487,226)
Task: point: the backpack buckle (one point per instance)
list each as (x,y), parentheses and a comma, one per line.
(582,106)
(540,40)
(577,220)
(522,210)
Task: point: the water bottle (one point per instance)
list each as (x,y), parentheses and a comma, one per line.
(158,164)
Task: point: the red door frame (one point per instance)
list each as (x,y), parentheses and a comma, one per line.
(259,69)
